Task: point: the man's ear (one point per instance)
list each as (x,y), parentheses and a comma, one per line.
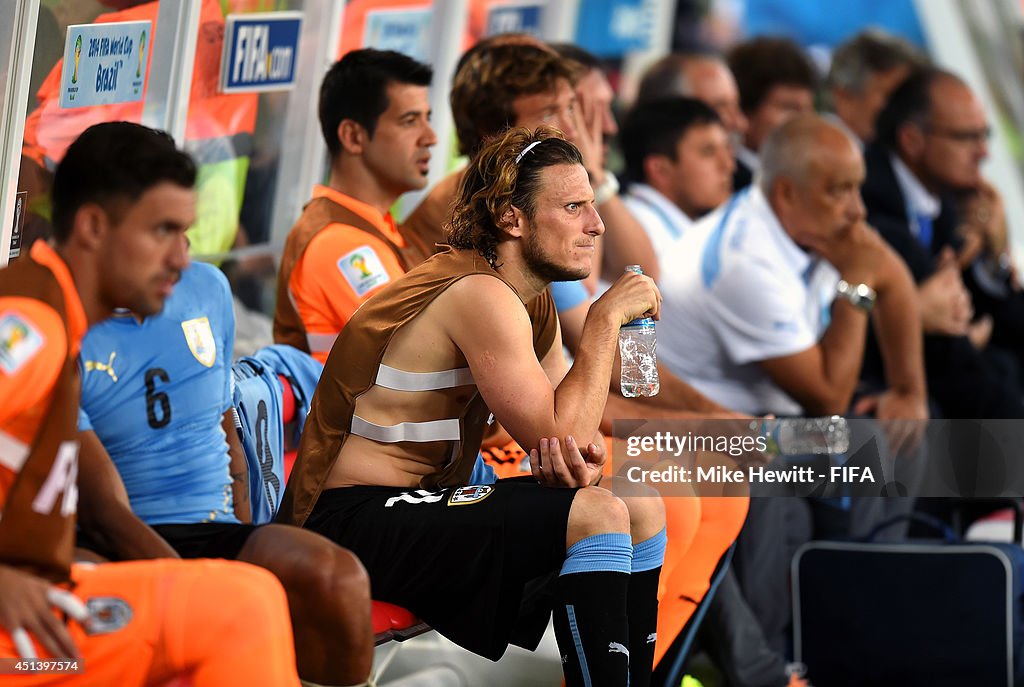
(655,168)
(352,137)
(910,139)
(512,221)
(784,194)
(90,226)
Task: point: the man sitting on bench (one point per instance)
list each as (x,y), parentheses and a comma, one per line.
(396,422)
(156,397)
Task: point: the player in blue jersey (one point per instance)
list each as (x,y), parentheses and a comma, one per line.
(157,401)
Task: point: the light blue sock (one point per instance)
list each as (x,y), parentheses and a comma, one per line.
(650,553)
(611,552)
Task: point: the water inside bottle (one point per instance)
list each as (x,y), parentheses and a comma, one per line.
(639,376)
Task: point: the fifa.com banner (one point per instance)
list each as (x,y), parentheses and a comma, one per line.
(829,457)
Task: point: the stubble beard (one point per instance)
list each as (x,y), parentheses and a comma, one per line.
(546,269)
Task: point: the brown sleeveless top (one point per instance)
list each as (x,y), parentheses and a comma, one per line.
(37,526)
(355,365)
(318,214)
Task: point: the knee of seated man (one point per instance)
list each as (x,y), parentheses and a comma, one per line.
(597,511)
(645,505)
(308,563)
(646,516)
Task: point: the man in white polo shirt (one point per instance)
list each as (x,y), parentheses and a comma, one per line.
(680,163)
(765,310)
(767,306)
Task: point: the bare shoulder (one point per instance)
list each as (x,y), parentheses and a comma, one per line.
(479,290)
(484,302)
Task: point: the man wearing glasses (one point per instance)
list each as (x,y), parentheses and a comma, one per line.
(925,194)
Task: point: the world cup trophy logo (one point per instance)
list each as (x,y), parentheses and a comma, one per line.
(359,262)
(142,53)
(78,56)
(15,336)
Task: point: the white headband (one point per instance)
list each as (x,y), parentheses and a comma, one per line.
(526,150)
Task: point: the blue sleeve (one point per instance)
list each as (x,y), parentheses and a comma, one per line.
(84,423)
(568,294)
(482,472)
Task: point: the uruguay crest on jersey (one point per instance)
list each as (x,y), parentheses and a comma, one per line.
(200,340)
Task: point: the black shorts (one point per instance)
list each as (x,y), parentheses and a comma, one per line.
(467,560)
(207,539)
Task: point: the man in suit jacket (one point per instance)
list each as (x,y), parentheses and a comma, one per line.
(925,195)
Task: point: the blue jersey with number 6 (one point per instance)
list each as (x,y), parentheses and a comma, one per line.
(155,393)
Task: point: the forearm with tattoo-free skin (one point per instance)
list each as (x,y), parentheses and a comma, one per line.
(537,399)
(822,378)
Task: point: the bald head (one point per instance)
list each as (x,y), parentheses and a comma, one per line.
(703,76)
(799,148)
(666,78)
(939,128)
(811,174)
(913,101)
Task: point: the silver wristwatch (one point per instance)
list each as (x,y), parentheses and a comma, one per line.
(859,295)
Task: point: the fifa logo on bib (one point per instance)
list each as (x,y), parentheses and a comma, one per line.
(363,270)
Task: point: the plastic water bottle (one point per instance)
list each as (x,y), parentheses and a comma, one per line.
(800,436)
(637,344)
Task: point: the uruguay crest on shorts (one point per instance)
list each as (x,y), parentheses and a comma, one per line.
(107,614)
(200,340)
(471,494)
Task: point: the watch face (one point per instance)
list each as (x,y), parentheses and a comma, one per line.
(859,295)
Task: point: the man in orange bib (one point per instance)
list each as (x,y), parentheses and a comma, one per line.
(123,198)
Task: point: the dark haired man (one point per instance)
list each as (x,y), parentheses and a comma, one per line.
(375,118)
(157,423)
(679,158)
(777,81)
(122,200)
(396,422)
